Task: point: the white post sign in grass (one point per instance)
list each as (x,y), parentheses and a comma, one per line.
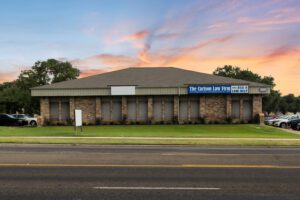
(78,120)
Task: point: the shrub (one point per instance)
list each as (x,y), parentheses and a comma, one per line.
(256,119)
(175,120)
(98,121)
(124,119)
(70,122)
(202,120)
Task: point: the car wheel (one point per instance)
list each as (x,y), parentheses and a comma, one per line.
(298,127)
(283,125)
(33,123)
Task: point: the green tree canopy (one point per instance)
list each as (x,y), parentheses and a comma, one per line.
(16,95)
(238,73)
(272,102)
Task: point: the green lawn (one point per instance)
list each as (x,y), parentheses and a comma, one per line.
(196,131)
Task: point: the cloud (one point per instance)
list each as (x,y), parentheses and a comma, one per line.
(137,35)
(92,72)
(8,76)
(275,17)
(279,53)
(104,60)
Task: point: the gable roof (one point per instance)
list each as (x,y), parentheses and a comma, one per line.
(148,77)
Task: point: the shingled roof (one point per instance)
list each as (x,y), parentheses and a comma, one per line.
(148,77)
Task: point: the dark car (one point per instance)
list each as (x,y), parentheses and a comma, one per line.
(294,124)
(8,120)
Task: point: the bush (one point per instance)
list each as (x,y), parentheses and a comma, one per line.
(202,120)
(70,122)
(228,120)
(98,121)
(124,119)
(256,119)
(175,120)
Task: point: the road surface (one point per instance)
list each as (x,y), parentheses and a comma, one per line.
(148,172)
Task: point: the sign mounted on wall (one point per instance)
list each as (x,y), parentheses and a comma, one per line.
(218,89)
(122,90)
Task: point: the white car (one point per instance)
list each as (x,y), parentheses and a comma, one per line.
(283,122)
(271,121)
(31,120)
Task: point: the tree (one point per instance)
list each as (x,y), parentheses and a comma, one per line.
(271,102)
(47,72)
(238,73)
(17,95)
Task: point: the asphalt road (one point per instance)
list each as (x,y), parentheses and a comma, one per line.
(148,172)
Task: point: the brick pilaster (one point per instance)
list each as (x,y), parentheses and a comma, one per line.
(228,106)
(241,108)
(150,109)
(202,106)
(176,108)
(72,107)
(98,108)
(45,108)
(124,108)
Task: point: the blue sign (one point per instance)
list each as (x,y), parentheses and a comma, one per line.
(218,89)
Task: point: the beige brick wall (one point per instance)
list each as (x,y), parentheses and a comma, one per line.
(150,109)
(257,104)
(215,107)
(45,108)
(88,107)
(228,106)
(212,107)
(72,108)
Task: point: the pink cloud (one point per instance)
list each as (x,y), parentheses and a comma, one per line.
(137,35)
(8,76)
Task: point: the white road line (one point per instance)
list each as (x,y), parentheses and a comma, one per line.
(154,188)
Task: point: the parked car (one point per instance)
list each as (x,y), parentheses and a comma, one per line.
(269,120)
(8,120)
(31,120)
(272,121)
(284,121)
(294,124)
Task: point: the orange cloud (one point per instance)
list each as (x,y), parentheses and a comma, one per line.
(275,17)
(7,76)
(91,72)
(104,59)
(137,35)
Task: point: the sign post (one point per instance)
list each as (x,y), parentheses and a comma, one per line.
(78,120)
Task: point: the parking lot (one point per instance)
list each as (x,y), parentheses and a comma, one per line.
(289,121)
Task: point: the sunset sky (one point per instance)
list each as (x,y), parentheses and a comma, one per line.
(104,35)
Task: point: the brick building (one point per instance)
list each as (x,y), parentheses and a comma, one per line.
(151,95)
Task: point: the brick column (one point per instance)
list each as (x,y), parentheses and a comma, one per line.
(257,104)
(59,110)
(202,106)
(228,106)
(241,108)
(176,108)
(110,110)
(189,109)
(150,109)
(137,114)
(72,107)
(45,108)
(124,108)
(98,108)
(163,108)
